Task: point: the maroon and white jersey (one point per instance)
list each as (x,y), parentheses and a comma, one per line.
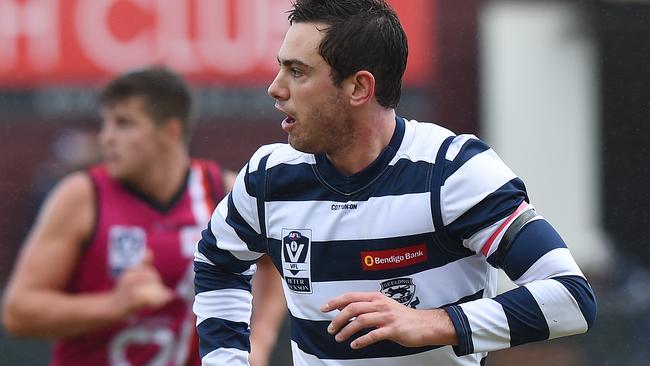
(126,223)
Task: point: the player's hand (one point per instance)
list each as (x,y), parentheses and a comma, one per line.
(389,320)
(140,288)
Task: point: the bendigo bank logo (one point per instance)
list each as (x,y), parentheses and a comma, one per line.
(378,260)
(295,259)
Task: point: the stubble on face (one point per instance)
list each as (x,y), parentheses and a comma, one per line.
(325,129)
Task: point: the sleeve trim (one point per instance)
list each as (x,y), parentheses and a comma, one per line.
(463,330)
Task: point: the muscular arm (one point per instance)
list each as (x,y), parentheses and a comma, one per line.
(45,264)
(35,302)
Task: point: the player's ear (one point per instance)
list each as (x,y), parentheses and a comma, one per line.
(360,87)
(174,128)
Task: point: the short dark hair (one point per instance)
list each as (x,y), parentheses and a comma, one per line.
(361,35)
(165,94)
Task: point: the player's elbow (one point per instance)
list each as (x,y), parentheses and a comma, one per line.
(16,316)
(583,295)
(589,307)
(586,299)
(11,318)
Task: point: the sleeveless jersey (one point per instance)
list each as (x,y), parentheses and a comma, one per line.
(126,223)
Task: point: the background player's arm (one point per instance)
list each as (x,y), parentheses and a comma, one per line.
(229,177)
(35,302)
(269,309)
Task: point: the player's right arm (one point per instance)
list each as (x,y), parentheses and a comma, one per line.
(224,264)
(35,301)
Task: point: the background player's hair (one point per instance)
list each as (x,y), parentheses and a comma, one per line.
(165,94)
(362,35)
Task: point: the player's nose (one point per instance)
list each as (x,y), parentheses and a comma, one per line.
(105,133)
(277,90)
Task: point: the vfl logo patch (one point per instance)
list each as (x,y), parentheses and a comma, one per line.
(126,247)
(402,290)
(189,237)
(296,254)
(393,258)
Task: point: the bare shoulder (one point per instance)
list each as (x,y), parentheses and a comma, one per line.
(76,187)
(54,243)
(229,177)
(69,207)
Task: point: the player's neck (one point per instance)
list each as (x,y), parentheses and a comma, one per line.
(371,134)
(164,177)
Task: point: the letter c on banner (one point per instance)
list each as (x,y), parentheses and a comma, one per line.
(102,47)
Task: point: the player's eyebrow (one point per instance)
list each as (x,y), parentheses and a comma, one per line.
(292,62)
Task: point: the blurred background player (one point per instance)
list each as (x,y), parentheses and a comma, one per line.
(107,268)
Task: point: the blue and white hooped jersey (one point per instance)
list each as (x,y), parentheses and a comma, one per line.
(427,224)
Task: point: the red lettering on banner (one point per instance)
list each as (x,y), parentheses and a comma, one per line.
(379,260)
(232,43)
(32,25)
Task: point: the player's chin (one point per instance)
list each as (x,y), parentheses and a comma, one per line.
(295,142)
(301,145)
(116,170)
(300,140)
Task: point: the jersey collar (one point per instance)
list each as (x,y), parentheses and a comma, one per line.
(350,185)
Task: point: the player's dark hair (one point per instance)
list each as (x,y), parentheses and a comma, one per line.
(165,94)
(361,35)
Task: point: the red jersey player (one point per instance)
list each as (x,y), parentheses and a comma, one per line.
(107,268)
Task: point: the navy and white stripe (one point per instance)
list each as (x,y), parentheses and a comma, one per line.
(395,203)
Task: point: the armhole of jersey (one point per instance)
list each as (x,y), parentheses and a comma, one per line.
(217,190)
(261,197)
(93,232)
(435,187)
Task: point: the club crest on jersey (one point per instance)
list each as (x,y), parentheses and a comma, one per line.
(402,290)
(126,247)
(296,254)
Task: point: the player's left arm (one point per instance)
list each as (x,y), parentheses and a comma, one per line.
(495,220)
(484,208)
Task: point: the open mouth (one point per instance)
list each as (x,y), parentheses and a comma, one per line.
(288,123)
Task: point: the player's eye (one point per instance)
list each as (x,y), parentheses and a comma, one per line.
(295,72)
(123,122)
